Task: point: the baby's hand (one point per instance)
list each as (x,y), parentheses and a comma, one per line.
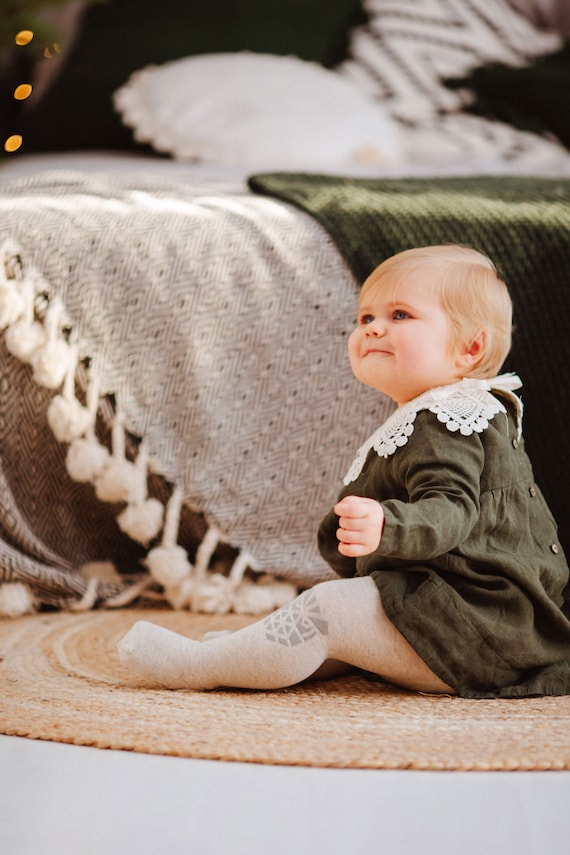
(360,525)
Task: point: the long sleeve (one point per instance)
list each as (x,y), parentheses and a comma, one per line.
(439,504)
(429,490)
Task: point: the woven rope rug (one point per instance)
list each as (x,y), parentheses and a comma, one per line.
(61,681)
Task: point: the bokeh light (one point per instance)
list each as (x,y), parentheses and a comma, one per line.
(13,143)
(23,91)
(24,37)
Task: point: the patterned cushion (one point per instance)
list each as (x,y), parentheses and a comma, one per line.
(548,14)
(408,47)
(536,97)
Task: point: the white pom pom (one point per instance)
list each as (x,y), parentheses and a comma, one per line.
(180,596)
(253,598)
(142,521)
(23,339)
(86,458)
(16,599)
(250,599)
(120,479)
(281,592)
(50,364)
(213,596)
(12,304)
(118,482)
(27,335)
(67,418)
(169,565)
(142,518)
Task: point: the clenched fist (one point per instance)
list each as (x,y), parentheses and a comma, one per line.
(361,522)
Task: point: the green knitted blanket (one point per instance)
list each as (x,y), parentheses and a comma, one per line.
(523,224)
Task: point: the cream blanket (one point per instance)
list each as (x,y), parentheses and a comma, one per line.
(218,321)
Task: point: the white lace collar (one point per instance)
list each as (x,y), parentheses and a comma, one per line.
(465,406)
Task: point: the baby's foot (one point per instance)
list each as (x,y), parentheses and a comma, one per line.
(160,655)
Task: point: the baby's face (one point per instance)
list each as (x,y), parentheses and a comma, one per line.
(401,344)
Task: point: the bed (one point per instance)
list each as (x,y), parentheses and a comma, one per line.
(177,286)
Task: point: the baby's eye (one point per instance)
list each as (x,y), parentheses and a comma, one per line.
(399,315)
(366,319)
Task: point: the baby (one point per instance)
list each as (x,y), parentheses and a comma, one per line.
(453,573)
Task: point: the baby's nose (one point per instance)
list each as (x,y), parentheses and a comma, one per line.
(376,328)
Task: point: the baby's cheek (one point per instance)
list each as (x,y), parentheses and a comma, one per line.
(353,351)
(354,340)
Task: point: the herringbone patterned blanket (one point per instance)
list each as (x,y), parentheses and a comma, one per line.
(218,323)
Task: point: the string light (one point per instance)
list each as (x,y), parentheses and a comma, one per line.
(24,90)
(24,37)
(21,92)
(13,143)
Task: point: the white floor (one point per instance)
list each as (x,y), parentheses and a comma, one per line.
(69,800)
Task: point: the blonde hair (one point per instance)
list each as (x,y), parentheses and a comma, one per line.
(472,294)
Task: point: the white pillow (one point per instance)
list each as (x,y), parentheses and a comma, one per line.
(276,112)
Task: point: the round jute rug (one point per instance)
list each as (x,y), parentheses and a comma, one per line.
(61,681)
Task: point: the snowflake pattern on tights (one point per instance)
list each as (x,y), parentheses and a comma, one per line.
(300,621)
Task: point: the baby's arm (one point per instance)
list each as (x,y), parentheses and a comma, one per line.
(361,523)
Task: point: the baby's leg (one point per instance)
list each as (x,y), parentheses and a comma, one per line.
(341,620)
(280,650)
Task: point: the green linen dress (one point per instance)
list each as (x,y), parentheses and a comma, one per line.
(469,568)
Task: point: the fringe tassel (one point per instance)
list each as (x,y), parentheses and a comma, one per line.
(33,321)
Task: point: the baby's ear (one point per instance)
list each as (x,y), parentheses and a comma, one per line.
(470,354)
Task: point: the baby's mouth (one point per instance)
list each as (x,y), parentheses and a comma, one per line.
(380,350)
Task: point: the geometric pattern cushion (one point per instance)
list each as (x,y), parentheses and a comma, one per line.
(408,47)
(548,14)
